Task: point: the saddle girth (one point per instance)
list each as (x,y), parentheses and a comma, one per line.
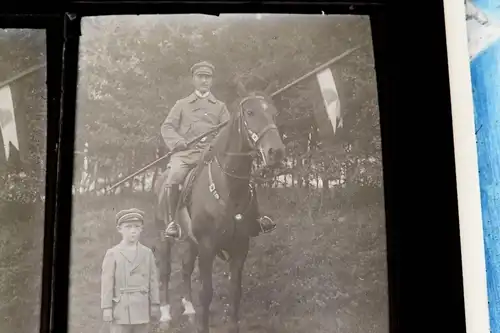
(185,195)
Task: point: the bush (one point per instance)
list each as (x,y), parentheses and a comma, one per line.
(21,188)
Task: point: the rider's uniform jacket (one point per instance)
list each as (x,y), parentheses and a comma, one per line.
(192,116)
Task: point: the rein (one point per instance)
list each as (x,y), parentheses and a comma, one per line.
(252,138)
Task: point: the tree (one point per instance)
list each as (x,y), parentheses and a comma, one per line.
(133,69)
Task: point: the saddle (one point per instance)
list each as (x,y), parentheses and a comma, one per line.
(185,195)
(187,184)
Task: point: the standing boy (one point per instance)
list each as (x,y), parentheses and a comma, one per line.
(130,295)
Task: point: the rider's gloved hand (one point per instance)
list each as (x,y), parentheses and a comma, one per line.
(181,145)
(207,154)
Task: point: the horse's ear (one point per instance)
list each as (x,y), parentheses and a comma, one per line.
(240,88)
(270,87)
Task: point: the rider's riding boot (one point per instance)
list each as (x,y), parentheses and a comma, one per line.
(173,230)
(266,224)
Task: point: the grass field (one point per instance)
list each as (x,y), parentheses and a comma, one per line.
(21,241)
(315,273)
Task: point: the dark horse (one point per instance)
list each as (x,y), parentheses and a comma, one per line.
(220,213)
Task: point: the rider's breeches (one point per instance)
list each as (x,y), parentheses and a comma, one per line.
(180,164)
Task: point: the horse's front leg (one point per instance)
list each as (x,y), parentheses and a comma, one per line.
(188,262)
(238,257)
(164,258)
(205,266)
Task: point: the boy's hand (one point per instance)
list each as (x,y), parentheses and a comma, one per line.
(107,314)
(155,312)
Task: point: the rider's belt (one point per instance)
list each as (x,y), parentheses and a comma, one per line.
(134,290)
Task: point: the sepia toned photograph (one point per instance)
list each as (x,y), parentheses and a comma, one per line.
(228,176)
(23,127)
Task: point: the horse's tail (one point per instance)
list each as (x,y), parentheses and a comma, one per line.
(160,195)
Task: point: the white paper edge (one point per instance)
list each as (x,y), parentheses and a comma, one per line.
(469,201)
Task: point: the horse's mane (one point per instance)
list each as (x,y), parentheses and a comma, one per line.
(221,140)
(259,93)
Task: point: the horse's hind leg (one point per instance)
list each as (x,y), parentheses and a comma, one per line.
(205,264)
(188,262)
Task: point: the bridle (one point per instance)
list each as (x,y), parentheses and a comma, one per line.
(251,137)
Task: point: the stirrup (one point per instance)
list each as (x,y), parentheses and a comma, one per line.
(177,226)
(223,255)
(270,222)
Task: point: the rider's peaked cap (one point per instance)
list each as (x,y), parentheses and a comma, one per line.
(203,67)
(129,215)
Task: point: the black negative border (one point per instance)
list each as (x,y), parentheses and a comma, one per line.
(54,83)
(59,318)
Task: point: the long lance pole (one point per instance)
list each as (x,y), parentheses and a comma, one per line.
(294,82)
(22,74)
(196,139)
(316,70)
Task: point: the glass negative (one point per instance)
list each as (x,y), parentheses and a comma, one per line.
(301,146)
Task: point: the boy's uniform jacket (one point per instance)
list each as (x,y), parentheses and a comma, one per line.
(129,287)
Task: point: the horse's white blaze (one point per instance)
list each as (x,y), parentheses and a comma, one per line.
(165,313)
(188,307)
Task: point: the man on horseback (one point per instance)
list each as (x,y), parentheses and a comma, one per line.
(190,117)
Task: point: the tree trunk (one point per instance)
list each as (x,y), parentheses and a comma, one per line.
(326,188)
(144,182)
(153,181)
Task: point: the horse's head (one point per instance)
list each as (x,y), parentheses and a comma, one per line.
(257,114)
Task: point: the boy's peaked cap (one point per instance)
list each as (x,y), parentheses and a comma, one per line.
(129,215)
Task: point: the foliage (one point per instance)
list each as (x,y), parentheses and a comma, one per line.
(23,174)
(134,68)
(20,188)
(22,180)
(326,274)
(21,49)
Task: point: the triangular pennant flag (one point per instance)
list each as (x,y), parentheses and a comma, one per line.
(330,98)
(8,120)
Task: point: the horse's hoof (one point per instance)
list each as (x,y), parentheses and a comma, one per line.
(165,325)
(165,318)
